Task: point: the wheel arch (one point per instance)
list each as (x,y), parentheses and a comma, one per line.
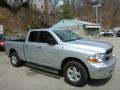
(11,51)
(68,59)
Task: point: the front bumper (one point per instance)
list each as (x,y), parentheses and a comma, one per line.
(102,70)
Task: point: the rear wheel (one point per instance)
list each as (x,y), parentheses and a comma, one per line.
(15,60)
(75,74)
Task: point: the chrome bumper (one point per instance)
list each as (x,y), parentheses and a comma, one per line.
(102,70)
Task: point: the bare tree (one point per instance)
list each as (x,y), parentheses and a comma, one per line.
(110,13)
(53,10)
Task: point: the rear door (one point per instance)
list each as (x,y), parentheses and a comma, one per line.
(31,47)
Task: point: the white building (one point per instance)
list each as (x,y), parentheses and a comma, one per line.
(15,3)
(1,29)
(83,28)
(116,29)
(38,5)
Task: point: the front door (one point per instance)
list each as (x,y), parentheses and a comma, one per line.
(50,49)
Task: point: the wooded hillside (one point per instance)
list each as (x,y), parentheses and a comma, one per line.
(22,18)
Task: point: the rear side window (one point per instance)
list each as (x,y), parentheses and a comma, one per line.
(33,36)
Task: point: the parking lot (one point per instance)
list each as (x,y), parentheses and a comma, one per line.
(25,78)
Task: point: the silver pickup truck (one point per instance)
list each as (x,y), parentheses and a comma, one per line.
(78,59)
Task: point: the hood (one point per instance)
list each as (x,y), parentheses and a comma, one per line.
(92,45)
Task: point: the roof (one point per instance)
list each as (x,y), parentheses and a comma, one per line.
(84,22)
(72,23)
(92,26)
(44,29)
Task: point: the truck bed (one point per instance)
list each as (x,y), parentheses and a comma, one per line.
(17,45)
(18,40)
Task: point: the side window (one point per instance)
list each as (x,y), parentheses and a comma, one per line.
(2,38)
(45,37)
(33,36)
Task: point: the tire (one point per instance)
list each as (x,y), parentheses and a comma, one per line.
(80,74)
(15,60)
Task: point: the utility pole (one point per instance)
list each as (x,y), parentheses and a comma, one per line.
(100,12)
(98,18)
(46,12)
(46,7)
(96,10)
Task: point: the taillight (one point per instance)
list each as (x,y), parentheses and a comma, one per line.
(2,43)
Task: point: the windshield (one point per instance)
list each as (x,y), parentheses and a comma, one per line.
(66,35)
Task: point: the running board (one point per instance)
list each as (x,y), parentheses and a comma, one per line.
(43,69)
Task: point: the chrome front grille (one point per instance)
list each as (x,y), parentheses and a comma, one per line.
(108,54)
(109,51)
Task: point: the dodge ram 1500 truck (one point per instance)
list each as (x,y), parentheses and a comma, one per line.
(62,50)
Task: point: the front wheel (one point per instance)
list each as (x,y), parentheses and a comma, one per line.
(15,60)
(75,74)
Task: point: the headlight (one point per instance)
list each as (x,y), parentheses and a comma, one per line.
(97,58)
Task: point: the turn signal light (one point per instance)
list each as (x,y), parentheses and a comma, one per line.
(92,60)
